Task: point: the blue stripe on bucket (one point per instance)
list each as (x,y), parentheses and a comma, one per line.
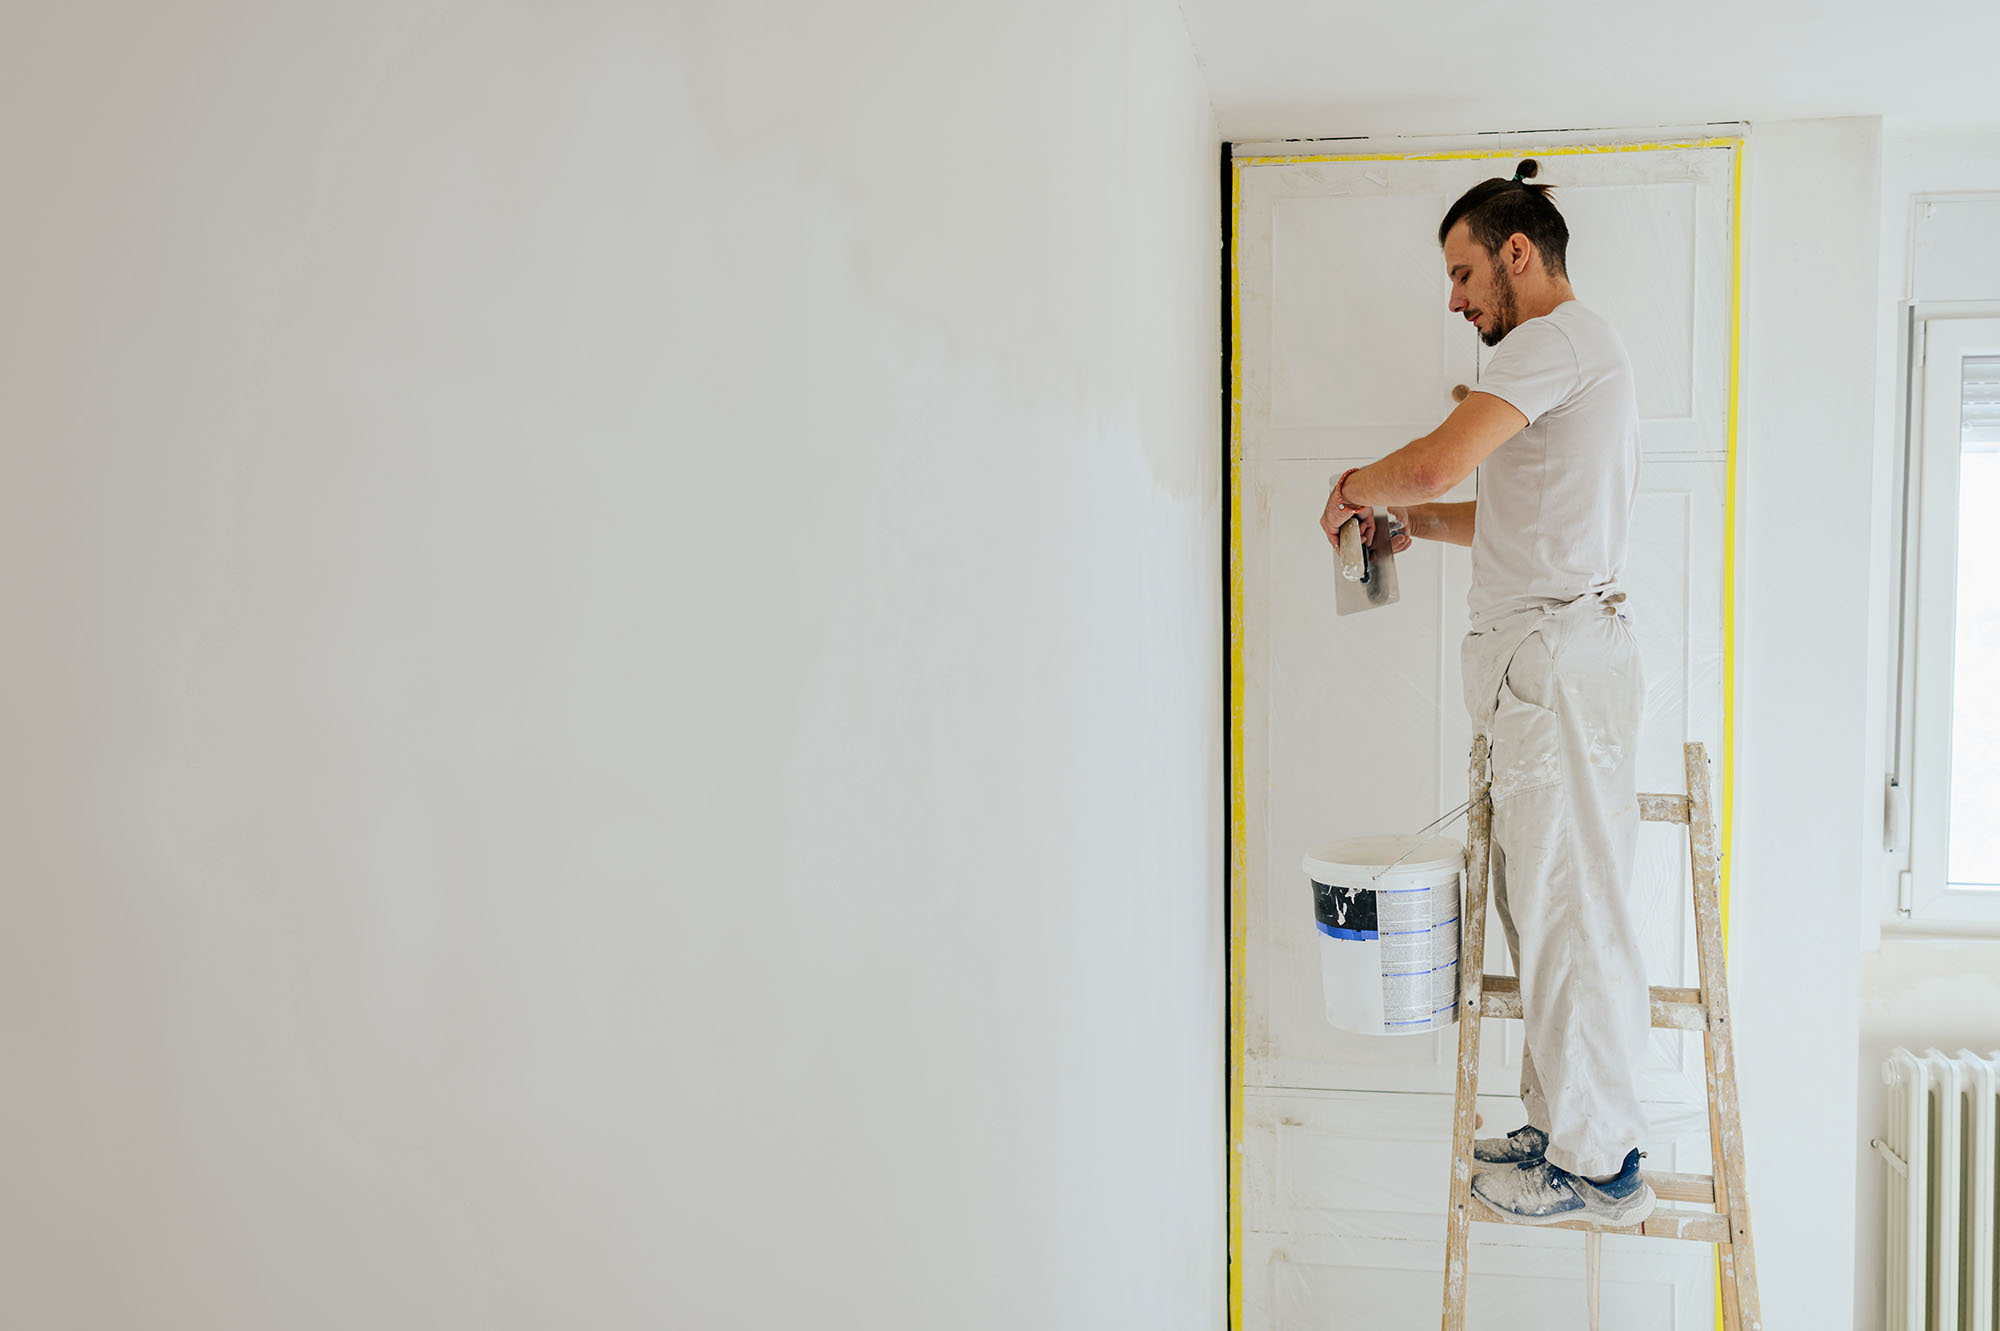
(1359,935)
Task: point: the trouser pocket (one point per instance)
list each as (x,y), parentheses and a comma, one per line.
(1526,733)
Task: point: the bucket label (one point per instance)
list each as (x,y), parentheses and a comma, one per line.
(1403,975)
(1345,912)
(1419,957)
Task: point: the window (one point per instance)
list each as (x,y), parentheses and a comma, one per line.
(1948,732)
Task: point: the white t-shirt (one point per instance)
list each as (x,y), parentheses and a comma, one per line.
(1555,501)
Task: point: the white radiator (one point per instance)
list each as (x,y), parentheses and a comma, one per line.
(1943,1149)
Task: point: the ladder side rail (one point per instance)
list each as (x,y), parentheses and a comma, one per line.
(1740,1309)
(1471,973)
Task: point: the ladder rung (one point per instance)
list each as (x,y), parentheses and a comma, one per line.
(1675,1009)
(1681,1187)
(1666,1222)
(1663,808)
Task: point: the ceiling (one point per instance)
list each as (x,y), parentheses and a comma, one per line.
(1299,69)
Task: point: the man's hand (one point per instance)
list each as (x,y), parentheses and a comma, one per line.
(1337,511)
(1402,538)
(1335,516)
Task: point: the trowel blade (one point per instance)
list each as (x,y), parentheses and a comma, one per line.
(1379,587)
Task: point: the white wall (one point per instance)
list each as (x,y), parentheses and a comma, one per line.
(1802,788)
(615,707)
(1916,992)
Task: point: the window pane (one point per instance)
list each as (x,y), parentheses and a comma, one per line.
(1973,857)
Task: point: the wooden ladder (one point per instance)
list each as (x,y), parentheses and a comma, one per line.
(1705,1009)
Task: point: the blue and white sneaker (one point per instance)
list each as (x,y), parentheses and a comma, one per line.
(1521,1146)
(1536,1192)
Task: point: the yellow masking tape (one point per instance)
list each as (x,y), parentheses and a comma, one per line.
(1236,774)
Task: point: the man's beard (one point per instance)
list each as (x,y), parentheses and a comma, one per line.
(1506,310)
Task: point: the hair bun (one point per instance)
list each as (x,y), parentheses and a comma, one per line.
(1528,169)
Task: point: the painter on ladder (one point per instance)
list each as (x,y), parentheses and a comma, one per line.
(1552,676)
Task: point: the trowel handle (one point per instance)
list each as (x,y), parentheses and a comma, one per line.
(1353,559)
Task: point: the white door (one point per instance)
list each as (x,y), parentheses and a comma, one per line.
(1347,350)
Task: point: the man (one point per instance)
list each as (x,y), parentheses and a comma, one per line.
(1552,676)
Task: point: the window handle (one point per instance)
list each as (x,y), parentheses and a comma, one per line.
(1895,817)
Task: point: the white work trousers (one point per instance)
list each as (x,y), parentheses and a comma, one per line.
(1560,692)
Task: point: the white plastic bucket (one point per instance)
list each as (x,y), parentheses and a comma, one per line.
(1388,937)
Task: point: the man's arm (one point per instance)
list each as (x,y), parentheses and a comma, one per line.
(1451,523)
(1427,468)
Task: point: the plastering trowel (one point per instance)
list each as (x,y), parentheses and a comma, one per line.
(1367,568)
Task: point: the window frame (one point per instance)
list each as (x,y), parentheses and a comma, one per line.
(1939,335)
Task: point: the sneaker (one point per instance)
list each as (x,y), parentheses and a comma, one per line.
(1539,1193)
(1522,1145)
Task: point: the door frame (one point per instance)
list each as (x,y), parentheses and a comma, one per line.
(1237,156)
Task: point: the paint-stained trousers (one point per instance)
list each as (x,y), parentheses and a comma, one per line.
(1561,692)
